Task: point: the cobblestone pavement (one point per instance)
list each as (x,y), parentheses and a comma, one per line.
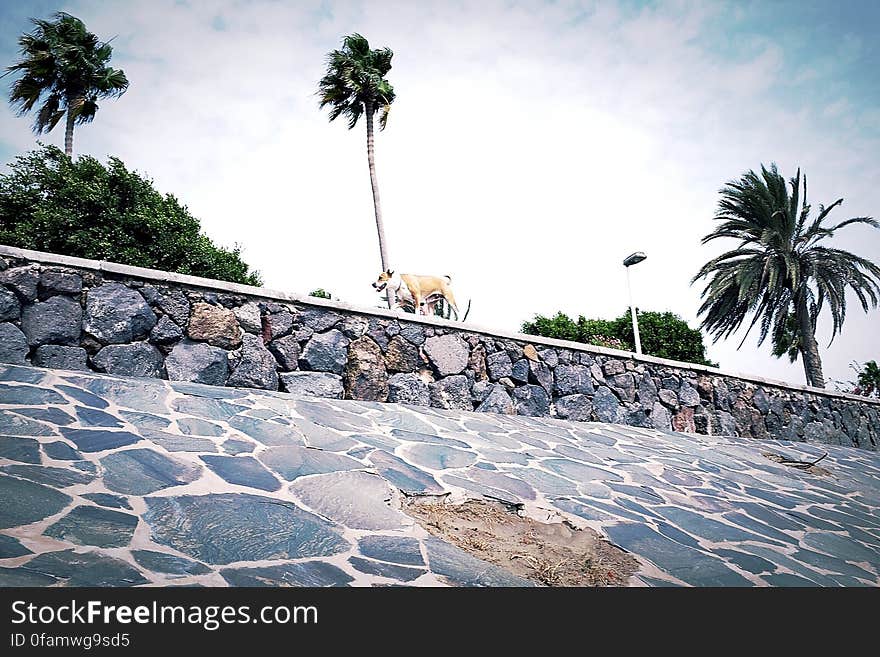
(109,481)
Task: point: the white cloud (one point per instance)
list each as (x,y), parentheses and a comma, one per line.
(532,147)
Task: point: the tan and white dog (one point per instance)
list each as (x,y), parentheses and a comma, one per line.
(421,291)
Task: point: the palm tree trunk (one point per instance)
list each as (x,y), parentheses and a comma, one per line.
(377,207)
(809,347)
(68,133)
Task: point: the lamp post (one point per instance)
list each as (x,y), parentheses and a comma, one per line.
(630,260)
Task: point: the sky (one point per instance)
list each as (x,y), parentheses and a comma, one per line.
(532,145)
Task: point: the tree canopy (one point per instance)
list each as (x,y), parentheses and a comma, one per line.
(65,67)
(82,208)
(663,334)
(781,273)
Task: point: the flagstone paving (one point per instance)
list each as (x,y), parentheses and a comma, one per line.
(108,481)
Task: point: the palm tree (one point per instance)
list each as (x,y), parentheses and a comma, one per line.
(781,273)
(65,64)
(355,85)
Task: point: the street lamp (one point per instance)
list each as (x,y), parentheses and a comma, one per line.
(630,260)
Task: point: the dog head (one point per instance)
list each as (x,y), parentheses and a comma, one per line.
(382,282)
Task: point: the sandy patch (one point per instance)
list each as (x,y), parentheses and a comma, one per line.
(553,554)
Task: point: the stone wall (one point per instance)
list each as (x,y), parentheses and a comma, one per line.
(73,314)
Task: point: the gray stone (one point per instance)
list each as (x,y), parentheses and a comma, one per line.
(98,440)
(447,353)
(23,450)
(647,391)
(249,317)
(668,398)
(354,327)
(313,384)
(605,405)
(497,401)
(86,569)
(613,367)
(575,407)
(173,442)
(760,401)
(60,357)
(573,380)
(452,392)
(59,281)
(391,571)
(150,294)
(256,369)
(318,320)
(413,333)
(225,528)
(353,499)
(286,351)
(660,417)
(623,385)
(23,502)
(404,476)
(401,355)
(439,457)
(408,389)
(243,471)
(23,280)
(392,549)
(726,424)
(160,562)
(365,375)
(520,371)
(175,304)
(143,471)
(306,573)
(480,391)
(688,395)
(279,323)
(325,352)
(499,365)
(541,374)
(91,525)
(294,461)
(690,565)
(462,569)
(197,362)
(531,400)
(165,331)
(138,359)
(376,331)
(116,314)
(92,417)
(108,500)
(550,357)
(13,345)
(10,308)
(56,321)
(11,547)
(215,325)
(61,451)
(267,432)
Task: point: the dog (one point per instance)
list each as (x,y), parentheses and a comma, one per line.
(422,291)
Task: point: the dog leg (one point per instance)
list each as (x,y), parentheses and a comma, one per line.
(447,294)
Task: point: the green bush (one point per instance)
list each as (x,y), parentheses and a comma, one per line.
(82,208)
(664,335)
(321,293)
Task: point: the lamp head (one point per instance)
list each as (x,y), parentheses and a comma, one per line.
(634,259)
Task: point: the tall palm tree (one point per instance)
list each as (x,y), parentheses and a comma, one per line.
(64,64)
(355,86)
(781,273)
